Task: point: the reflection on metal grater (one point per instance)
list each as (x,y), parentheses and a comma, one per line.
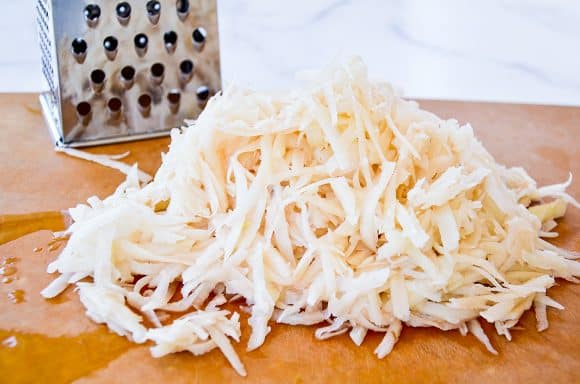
(125,70)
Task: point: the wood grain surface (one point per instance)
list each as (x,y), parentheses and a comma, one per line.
(55,342)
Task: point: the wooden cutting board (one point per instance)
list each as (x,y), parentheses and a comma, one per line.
(55,342)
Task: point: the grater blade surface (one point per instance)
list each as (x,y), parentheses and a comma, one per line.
(125,70)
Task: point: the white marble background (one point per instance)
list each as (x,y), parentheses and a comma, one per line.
(515,51)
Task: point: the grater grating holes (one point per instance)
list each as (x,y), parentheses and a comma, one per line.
(126,72)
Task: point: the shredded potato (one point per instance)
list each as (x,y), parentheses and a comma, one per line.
(340,204)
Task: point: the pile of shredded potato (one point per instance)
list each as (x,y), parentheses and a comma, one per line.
(340,205)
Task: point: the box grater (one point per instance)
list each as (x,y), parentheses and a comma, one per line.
(125,70)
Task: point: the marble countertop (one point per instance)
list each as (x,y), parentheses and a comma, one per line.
(513,51)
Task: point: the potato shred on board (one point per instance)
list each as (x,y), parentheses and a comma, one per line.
(339,205)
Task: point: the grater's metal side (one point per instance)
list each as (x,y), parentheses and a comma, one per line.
(49,100)
(83,109)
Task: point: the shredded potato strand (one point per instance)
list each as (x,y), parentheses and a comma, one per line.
(340,204)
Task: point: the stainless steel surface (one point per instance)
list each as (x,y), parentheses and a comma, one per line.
(81,38)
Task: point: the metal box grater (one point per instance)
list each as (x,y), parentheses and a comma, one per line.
(125,70)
